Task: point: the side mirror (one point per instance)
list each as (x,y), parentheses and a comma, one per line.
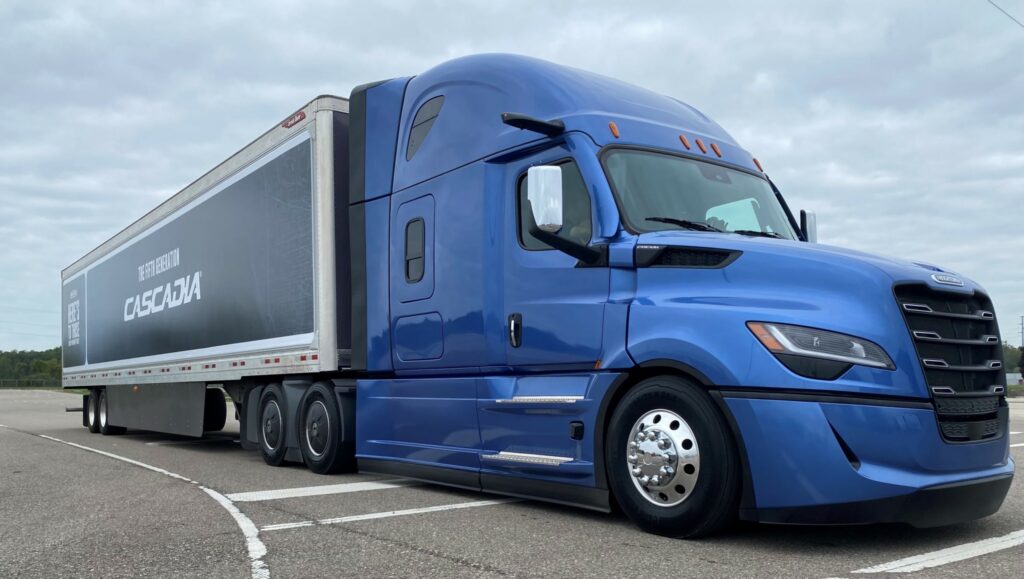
(809,226)
(544,190)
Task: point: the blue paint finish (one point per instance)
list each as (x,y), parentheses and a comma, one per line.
(378,323)
(419,337)
(698,316)
(477,89)
(462,249)
(382,105)
(446,338)
(562,306)
(542,428)
(402,289)
(425,420)
(795,459)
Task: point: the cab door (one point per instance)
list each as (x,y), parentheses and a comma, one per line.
(554,305)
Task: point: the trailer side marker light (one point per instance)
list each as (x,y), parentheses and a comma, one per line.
(700,145)
(765,337)
(293,120)
(277,360)
(315,357)
(758,163)
(614,129)
(242,363)
(135,388)
(266,360)
(714,148)
(597,365)
(302,358)
(684,141)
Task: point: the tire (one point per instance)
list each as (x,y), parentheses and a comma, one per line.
(320,432)
(273,425)
(102,413)
(92,421)
(668,428)
(215,410)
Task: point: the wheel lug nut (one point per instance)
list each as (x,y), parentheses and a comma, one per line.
(635,471)
(652,436)
(631,459)
(664,443)
(655,481)
(633,445)
(668,471)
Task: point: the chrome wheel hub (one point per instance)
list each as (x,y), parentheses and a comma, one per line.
(663,458)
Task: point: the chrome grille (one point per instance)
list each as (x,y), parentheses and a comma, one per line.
(957,341)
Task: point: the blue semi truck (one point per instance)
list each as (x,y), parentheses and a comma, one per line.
(512,276)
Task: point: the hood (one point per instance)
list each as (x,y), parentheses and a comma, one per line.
(789,282)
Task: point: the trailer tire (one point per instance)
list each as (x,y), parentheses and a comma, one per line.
(215,410)
(92,421)
(320,429)
(102,415)
(273,425)
(672,463)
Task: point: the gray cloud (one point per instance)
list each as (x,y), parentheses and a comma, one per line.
(900,123)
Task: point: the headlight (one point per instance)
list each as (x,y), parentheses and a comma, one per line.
(789,342)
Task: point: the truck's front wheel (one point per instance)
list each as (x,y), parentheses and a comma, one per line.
(672,463)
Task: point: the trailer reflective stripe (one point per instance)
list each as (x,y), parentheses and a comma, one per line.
(320,490)
(388,514)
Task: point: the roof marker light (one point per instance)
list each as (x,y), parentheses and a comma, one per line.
(700,145)
(684,141)
(614,129)
(714,148)
(758,163)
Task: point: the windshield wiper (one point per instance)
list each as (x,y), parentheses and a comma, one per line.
(685,223)
(753,233)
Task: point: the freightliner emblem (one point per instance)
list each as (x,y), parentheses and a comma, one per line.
(948,279)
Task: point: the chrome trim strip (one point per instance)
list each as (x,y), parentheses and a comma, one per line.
(917,308)
(526,458)
(943,390)
(540,400)
(935,363)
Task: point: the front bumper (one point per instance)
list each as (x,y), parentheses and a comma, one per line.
(833,460)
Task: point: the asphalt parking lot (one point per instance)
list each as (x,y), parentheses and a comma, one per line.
(144,504)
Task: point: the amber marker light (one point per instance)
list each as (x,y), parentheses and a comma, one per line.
(765,337)
(700,145)
(714,148)
(614,129)
(758,163)
(684,141)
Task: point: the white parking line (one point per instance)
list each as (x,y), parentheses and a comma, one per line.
(388,514)
(257,550)
(254,496)
(950,555)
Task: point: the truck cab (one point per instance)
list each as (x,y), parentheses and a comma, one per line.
(592,291)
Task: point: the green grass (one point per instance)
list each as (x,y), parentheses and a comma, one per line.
(1014,390)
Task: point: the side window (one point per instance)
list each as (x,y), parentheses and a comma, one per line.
(576,223)
(415,239)
(422,123)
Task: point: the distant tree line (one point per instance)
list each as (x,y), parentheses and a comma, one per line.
(1012,357)
(30,365)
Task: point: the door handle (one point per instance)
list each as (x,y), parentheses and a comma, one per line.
(515,330)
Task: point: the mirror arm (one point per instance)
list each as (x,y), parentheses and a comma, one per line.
(581,252)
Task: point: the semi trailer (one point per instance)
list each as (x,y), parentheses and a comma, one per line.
(525,279)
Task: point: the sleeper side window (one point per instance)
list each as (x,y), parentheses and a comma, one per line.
(415,240)
(421,125)
(576,222)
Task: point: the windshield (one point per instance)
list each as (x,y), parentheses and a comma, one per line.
(657,191)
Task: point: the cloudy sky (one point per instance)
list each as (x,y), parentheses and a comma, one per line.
(900,123)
